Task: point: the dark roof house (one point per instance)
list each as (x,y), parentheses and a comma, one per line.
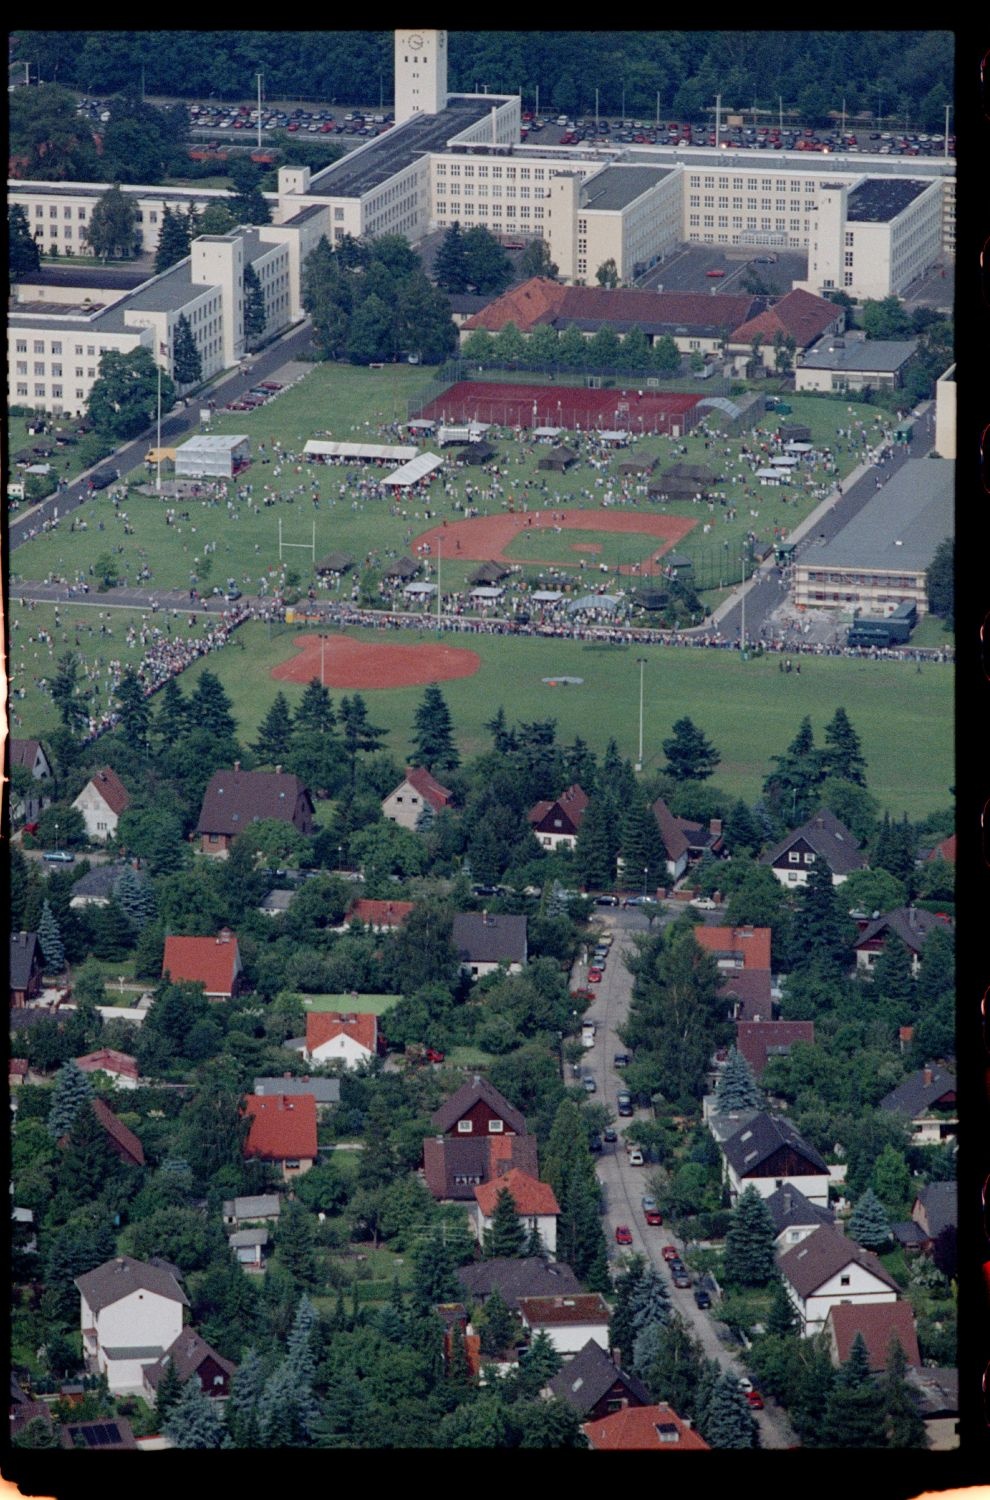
(25,966)
(822,837)
(759,1041)
(595,1386)
(234,799)
(485,941)
(527,1276)
(769,1146)
(454,1166)
(477,1103)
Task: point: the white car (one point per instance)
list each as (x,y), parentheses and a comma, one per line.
(704,903)
(635,1157)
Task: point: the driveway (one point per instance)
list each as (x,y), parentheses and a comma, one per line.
(623,1186)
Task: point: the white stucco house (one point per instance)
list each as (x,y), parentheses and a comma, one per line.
(535,1202)
(826,1270)
(332,1036)
(568,1322)
(130,1313)
(101,802)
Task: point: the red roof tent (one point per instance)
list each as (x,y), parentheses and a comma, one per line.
(212,962)
(323,1026)
(281,1128)
(752,944)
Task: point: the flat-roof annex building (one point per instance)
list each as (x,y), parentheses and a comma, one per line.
(879,560)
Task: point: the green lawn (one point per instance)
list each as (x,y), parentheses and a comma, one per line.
(375,1005)
(544,544)
(749,709)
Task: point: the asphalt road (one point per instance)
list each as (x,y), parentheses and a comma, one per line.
(622,1185)
(175,426)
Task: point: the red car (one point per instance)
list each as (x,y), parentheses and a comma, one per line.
(594,976)
(670,1253)
(654,1216)
(623,1235)
(714,273)
(433,1055)
(755,1400)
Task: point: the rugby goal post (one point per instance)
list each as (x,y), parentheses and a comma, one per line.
(309,547)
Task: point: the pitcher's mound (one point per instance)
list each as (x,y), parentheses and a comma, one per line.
(371,664)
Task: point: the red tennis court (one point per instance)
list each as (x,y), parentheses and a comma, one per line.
(635,409)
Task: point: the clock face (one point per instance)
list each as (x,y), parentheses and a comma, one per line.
(415,40)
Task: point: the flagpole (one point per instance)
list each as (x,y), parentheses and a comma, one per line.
(158,454)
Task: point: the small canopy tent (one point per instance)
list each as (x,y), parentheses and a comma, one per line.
(486,595)
(394,453)
(421,467)
(608,603)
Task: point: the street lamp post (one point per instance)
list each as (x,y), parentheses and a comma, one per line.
(646,871)
(56,838)
(742,629)
(642,663)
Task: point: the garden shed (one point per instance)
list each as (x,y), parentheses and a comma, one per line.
(216,455)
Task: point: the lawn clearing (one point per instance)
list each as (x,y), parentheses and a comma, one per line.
(750,709)
(369,1005)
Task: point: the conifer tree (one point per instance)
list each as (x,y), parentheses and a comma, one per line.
(534,1243)
(818,930)
(450,266)
(843,755)
(737,1087)
(433,741)
(173,240)
(172,720)
(621,1331)
(275,733)
(433,1278)
(255,312)
(168,1393)
(644,857)
(51,941)
(650,1301)
(315,711)
(133,708)
(868,1223)
(195,1420)
(538,1365)
(749,1241)
(506,1235)
(893,979)
(691,756)
(209,708)
(903,1423)
(498,1327)
(675,1370)
(187,362)
(242,1404)
(136,899)
(597,845)
(729,1423)
(72,1089)
(854,1416)
(742,833)
(782,1319)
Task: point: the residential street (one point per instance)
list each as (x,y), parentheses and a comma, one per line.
(623,1186)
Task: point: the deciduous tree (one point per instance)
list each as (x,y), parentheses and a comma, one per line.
(113,225)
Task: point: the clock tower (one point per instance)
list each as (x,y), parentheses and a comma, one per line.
(420,73)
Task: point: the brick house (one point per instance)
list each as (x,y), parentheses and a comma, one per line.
(101,802)
(758,1041)
(766,1152)
(478,1135)
(234,799)
(119,1066)
(879,1323)
(31,755)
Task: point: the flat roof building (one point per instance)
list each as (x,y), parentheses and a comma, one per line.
(880,558)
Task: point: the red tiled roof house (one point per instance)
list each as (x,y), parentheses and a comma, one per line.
(283,1130)
(417,789)
(336,1036)
(215,963)
(536,1205)
(657,1428)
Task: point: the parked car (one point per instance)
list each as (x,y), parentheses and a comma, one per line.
(623,1235)
(754,1400)
(434,1055)
(702,1298)
(621,1060)
(594,976)
(647,1202)
(103,477)
(670,1252)
(635,1157)
(714,273)
(589,1084)
(605,940)
(232,594)
(682,1280)
(623,1104)
(745,1384)
(60,857)
(610,1136)
(606,900)
(654,1217)
(595,1144)
(704,903)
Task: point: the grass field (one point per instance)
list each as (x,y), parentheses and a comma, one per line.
(615,549)
(749,709)
(348,403)
(375,1005)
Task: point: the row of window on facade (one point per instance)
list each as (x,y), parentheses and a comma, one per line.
(781,205)
(510,174)
(523,210)
(708,221)
(762,184)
